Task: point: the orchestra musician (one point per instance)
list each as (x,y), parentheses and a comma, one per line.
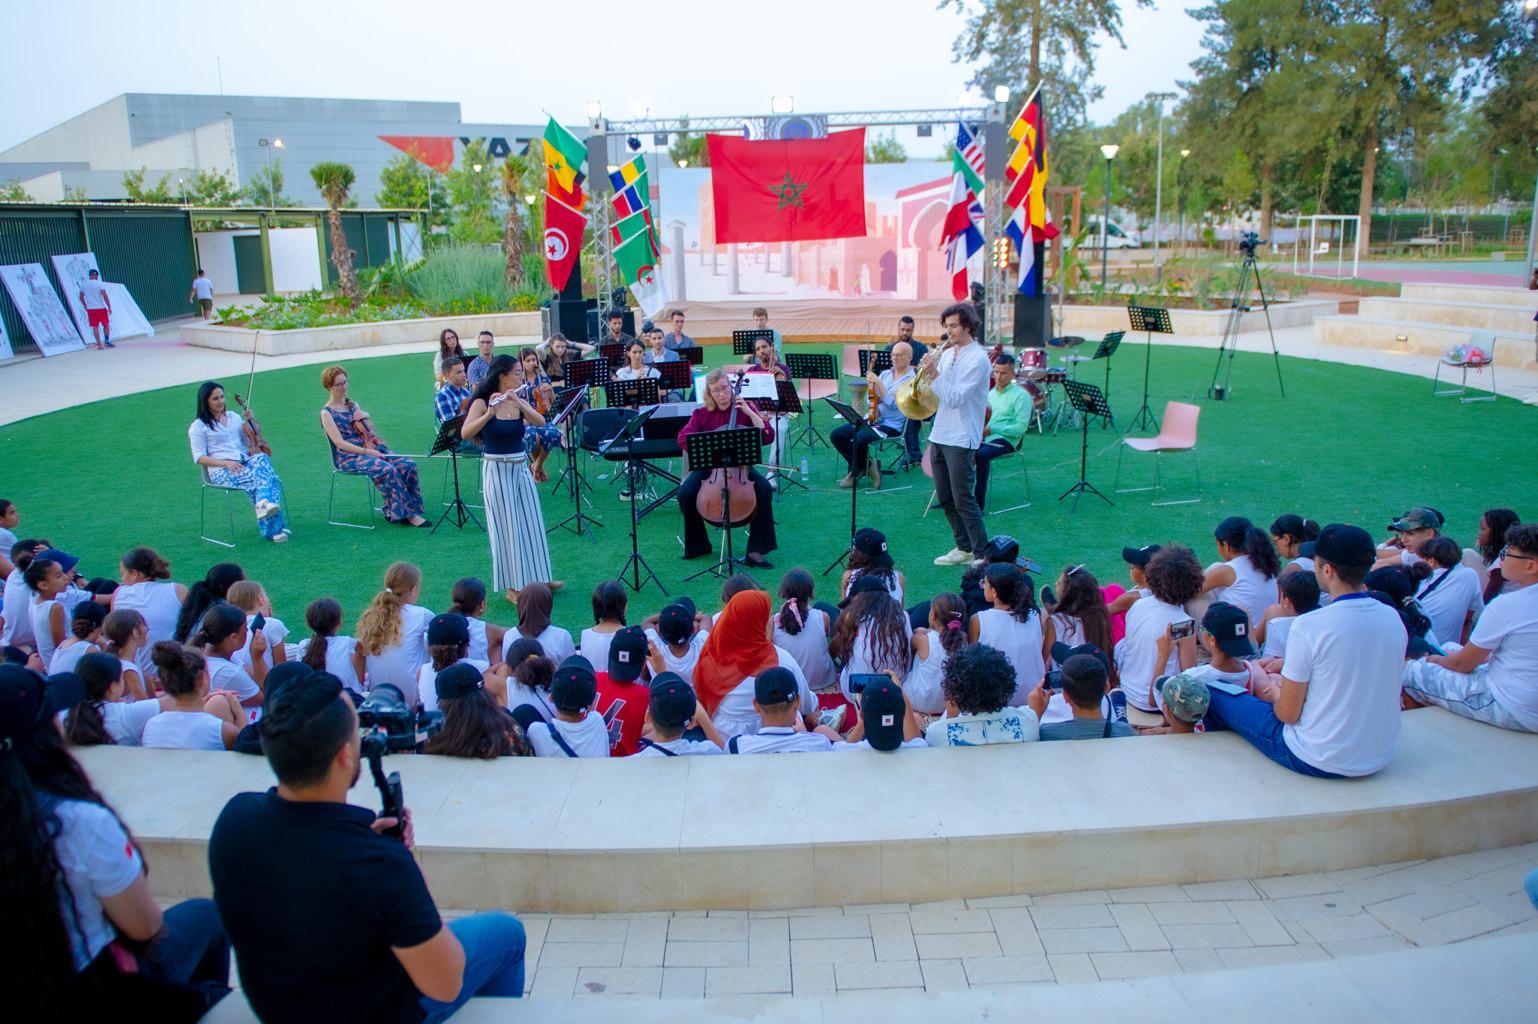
(453,398)
(911,428)
(853,440)
(233,454)
(715,413)
(540,441)
(765,361)
(1009,418)
(958,372)
(357,449)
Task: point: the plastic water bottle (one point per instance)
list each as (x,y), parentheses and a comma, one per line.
(806,470)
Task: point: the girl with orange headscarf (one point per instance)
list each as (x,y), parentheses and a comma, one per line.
(736,651)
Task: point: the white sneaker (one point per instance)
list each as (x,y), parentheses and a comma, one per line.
(955,556)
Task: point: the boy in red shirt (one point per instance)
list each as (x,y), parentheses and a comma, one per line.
(622,700)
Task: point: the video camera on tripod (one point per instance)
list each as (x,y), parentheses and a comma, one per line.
(1248,241)
(389,725)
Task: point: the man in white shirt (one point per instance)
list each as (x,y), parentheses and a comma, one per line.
(1493,678)
(777,699)
(203,295)
(1336,712)
(853,440)
(98,308)
(959,376)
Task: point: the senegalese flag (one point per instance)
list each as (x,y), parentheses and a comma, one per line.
(564,156)
(638,268)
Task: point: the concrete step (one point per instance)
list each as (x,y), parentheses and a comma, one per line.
(1484,315)
(1514,296)
(1511,350)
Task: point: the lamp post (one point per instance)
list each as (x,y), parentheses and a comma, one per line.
(1180,187)
(1159,97)
(1109,152)
(529,198)
(1532,228)
(183,183)
(272,188)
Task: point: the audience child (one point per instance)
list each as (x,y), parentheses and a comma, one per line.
(473,724)
(1185,700)
(1137,560)
(1081,615)
(147,588)
(1299,596)
(609,603)
(731,659)
(469,599)
(886,721)
(868,556)
(127,635)
(1085,683)
(671,708)
(622,697)
(1485,556)
(9,520)
(106,714)
(1393,586)
(251,598)
(674,643)
(737,583)
(1225,634)
(979,682)
(74,884)
(1247,575)
(803,629)
(1418,524)
(202,595)
(1450,592)
(392,633)
(576,730)
(871,634)
(1288,533)
(1494,677)
(1000,550)
(1013,625)
(448,643)
(1173,577)
(530,674)
(1336,712)
(85,624)
(221,635)
(324,651)
(53,602)
(932,646)
(196,719)
(17,603)
(775,693)
(535,602)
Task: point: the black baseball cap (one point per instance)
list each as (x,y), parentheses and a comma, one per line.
(457,680)
(871,543)
(627,654)
(864,585)
(775,686)
(1230,627)
(1341,544)
(882,708)
(447,629)
(1139,556)
(1003,548)
(91,611)
(675,624)
(26,698)
(672,702)
(574,687)
(1061,652)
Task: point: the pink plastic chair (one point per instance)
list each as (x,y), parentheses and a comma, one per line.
(1178,435)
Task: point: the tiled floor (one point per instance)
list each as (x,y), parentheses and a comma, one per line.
(1012,940)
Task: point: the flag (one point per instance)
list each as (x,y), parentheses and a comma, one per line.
(638,268)
(1031,180)
(563,240)
(961,235)
(572,198)
(564,156)
(630,200)
(634,171)
(628,227)
(970,147)
(788,190)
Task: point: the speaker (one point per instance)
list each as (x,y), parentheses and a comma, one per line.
(569,318)
(1033,320)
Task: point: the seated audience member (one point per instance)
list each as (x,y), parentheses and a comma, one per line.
(329,914)
(195,720)
(16,605)
(1336,712)
(535,602)
(249,741)
(979,682)
(886,721)
(1288,533)
(392,633)
(1085,683)
(1013,624)
(473,724)
(622,697)
(85,624)
(1247,575)
(871,634)
(674,644)
(1494,677)
(221,637)
(1225,634)
(127,634)
(945,635)
(576,730)
(1485,556)
(1449,592)
(869,556)
(1173,576)
(448,643)
(1393,586)
(9,520)
(1299,596)
(1416,525)
(730,661)
(775,698)
(106,714)
(609,605)
(671,708)
(52,601)
(89,940)
(1080,615)
(1137,560)
(737,583)
(1185,700)
(469,599)
(251,598)
(204,594)
(530,674)
(324,651)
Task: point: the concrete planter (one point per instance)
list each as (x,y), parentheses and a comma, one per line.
(348,336)
(1199,322)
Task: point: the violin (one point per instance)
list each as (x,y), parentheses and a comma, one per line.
(728,488)
(251,431)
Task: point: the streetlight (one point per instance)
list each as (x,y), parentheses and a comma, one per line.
(1180,187)
(782,104)
(272,189)
(1108,151)
(1159,97)
(183,183)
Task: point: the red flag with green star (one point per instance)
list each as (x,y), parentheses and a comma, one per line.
(788,191)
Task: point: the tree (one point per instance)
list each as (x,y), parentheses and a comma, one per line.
(689,150)
(406,184)
(473,194)
(518,179)
(1238,182)
(1023,43)
(76,194)
(885,149)
(133,184)
(263,190)
(14,193)
(213,188)
(335,182)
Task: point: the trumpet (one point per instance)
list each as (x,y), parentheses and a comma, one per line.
(916,399)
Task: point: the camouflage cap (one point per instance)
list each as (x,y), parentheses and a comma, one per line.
(1185,697)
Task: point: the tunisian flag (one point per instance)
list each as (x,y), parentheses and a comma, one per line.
(788,191)
(563,240)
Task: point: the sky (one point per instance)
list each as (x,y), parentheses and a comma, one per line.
(513,63)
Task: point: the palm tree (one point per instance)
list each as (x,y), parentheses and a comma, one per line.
(516,171)
(335,180)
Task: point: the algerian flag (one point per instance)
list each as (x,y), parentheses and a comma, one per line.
(637,267)
(564,155)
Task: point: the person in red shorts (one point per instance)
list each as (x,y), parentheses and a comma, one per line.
(98,308)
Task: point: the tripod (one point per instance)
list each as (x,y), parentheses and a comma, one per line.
(850,416)
(1237,309)
(448,440)
(1151,320)
(1088,400)
(578,517)
(632,468)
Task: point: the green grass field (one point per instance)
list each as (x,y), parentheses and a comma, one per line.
(1347,444)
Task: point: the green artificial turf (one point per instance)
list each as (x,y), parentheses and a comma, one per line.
(1347,443)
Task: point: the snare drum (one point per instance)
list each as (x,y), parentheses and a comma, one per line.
(1032,358)
(1056,375)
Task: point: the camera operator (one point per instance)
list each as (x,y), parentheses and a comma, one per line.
(331,919)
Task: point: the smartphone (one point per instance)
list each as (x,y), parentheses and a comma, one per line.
(858,681)
(258,623)
(1054,680)
(1029,565)
(1182,628)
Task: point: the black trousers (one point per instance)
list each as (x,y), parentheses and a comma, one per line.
(761,539)
(853,443)
(989,451)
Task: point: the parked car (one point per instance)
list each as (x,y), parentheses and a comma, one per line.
(1116,237)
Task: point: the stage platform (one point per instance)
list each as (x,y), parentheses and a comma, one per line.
(592,836)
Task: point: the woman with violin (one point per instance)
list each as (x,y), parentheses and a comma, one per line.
(540,393)
(236,455)
(750,494)
(357,449)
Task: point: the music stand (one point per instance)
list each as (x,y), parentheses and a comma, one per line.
(1090,402)
(1107,349)
(574,398)
(612,351)
(849,414)
(743,342)
(786,402)
(677,375)
(588,373)
(693,355)
(1151,320)
(627,436)
(448,440)
(725,449)
(631,394)
(810,366)
(878,361)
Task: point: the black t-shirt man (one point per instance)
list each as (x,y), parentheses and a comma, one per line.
(313,900)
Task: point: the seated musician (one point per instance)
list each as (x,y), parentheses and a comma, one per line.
(555,352)
(453,398)
(359,450)
(766,361)
(657,350)
(917,351)
(220,443)
(635,366)
(715,413)
(1008,419)
(616,335)
(853,440)
(540,441)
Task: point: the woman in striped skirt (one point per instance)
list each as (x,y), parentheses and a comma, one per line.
(515,522)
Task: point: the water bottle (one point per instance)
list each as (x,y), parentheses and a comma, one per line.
(806,470)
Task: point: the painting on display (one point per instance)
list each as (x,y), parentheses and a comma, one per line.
(40,309)
(126,319)
(5,343)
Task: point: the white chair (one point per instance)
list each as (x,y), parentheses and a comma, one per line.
(229,508)
(1482,342)
(1178,435)
(331,502)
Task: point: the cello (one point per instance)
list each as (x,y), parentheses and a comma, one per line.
(730,488)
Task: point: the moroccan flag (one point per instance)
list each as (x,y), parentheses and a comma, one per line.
(564,155)
(638,268)
(563,240)
(788,191)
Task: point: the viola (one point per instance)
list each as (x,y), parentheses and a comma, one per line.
(251,430)
(728,488)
